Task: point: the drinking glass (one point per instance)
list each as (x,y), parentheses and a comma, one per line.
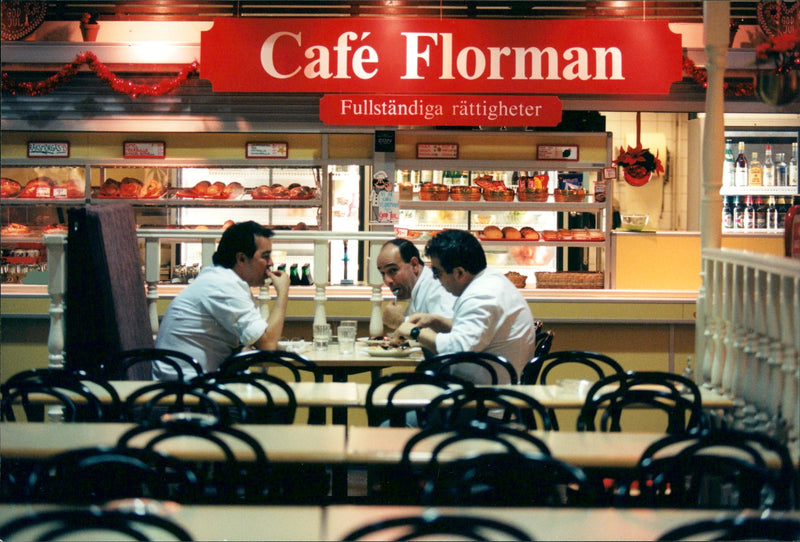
(347,338)
(322,335)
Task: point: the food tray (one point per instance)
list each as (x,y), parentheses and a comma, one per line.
(569,279)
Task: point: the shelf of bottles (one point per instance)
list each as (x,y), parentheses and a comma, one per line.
(759,180)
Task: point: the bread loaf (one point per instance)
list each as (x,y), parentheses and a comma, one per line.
(492,232)
(510,232)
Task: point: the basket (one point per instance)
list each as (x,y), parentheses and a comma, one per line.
(569,279)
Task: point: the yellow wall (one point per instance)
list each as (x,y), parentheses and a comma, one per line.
(671,261)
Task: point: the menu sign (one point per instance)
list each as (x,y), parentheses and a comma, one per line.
(441,56)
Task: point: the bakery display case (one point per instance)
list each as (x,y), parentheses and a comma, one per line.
(535,218)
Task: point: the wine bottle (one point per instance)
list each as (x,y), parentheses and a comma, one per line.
(768,168)
(740,167)
(727,213)
(760,214)
(754,171)
(782,206)
(294,278)
(729,165)
(305,275)
(772,214)
(738,214)
(749,216)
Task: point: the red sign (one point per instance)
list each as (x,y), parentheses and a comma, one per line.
(439,110)
(441,56)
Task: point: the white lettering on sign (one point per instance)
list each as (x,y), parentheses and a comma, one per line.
(47,149)
(321,59)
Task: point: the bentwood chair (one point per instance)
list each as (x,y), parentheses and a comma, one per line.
(74,524)
(272,389)
(495,405)
(740,527)
(580,363)
(477,367)
(392,388)
(714,469)
(184,365)
(544,342)
(241,475)
(295,364)
(676,396)
(99,474)
(431,525)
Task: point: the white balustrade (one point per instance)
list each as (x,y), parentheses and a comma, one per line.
(751,311)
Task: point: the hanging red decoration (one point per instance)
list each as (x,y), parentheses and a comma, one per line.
(700,77)
(134,90)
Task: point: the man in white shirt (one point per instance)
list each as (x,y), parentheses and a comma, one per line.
(490,314)
(216,315)
(406,275)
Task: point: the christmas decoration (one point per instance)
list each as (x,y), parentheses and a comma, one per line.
(134,90)
(638,163)
(699,75)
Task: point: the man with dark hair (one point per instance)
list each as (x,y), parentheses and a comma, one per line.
(490,315)
(406,275)
(215,315)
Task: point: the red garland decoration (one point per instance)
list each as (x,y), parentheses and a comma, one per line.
(700,77)
(66,73)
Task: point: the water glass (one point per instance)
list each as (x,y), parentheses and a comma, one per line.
(322,335)
(347,338)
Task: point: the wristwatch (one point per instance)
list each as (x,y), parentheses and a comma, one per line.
(415,333)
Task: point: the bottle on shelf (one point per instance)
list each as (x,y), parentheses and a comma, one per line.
(768,168)
(294,277)
(754,171)
(282,267)
(791,234)
(738,213)
(760,214)
(740,169)
(772,214)
(729,165)
(792,169)
(781,170)
(749,216)
(782,206)
(305,275)
(727,213)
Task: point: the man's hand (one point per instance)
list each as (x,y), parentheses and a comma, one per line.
(393,315)
(280,280)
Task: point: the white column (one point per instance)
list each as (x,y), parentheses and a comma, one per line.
(375,280)
(321,259)
(152,272)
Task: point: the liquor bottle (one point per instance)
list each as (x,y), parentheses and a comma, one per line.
(793,166)
(768,168)
(738,214)
(781,170)
(729,165)
(294,278)
(754,171)
(749,216)
(761,214)
(305,275)
(740,169)
(782,206)
(727,213)
(772,214)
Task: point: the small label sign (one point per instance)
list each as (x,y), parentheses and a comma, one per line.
(144,149)
(48,149)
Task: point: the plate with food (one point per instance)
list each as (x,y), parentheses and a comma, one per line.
(390,351)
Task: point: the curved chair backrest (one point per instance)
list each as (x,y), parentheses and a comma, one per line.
(148,404)
(67,388)
(184,365)
(431,525)
(477,367)
(537,370)
(507,479)
(273,389)
(741,527)
(74,476)
(716,469)
(675,395)
(393,386)
(69,523)
(293,362)
(544,342)
(242,472)
(504,405)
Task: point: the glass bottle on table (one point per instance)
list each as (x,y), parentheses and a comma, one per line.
(740,167)
(768,168)
(754,171)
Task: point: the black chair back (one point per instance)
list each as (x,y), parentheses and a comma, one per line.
(544,343)
(273,389)
(432,526)
(675,395)
(184,365)
(714,469)
(538,369)
(104,265)
(499,405)
(70,524)
(740,527)
(392,411)
(476,367)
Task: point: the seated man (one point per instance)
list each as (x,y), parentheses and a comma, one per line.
(216,315)
(490,314)
(406,275)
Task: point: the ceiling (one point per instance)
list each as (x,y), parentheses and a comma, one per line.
(742,12)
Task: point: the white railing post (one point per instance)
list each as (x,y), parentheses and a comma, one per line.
(375,280)
(152,274)
(56,288)
(321,264)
